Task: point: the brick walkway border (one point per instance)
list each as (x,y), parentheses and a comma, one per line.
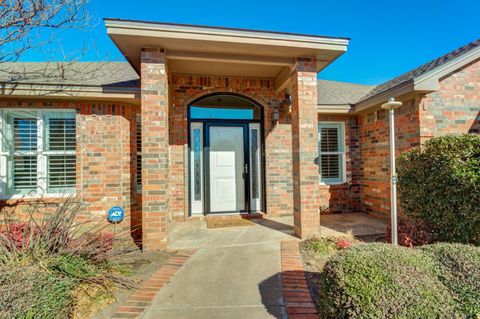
(296,293)
(143,296)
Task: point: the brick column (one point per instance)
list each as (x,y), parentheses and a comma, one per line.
(154,86)
(304,148)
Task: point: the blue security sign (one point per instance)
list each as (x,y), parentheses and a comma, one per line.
(116,214)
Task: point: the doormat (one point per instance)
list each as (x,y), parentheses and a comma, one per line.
(220,222)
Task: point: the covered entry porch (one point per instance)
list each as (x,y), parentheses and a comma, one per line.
(181,65)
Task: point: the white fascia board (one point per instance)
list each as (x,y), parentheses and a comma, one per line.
(425,83)
(429,81)
(138,28)
(334,109)
(397,91)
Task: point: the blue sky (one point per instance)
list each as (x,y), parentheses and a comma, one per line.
(387,37)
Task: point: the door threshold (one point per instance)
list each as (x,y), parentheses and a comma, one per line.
(235,215)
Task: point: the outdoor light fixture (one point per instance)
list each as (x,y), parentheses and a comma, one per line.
(287,104)
(391,105)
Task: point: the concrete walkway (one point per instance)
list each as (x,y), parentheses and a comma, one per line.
(236,271)
(234,274)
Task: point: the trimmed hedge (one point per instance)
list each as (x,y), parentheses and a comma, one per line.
(439,183)
(458,267)
(382,281)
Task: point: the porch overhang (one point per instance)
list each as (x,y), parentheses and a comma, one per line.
(223,51)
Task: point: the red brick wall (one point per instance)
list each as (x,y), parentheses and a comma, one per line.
(155,149)
(344,197)
(455,108)
(375,153)
(104,168)
(305,148)
(184,89)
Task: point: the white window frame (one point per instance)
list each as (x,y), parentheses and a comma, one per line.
(256,203)
(138,119)
(343,152)
(42,156)
(196,205)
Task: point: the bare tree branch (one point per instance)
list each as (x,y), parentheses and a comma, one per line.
(31,24)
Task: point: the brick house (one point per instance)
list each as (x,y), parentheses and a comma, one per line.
(204,120)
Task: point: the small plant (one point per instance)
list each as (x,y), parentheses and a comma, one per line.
(343,244)
(412,233)
(320,246)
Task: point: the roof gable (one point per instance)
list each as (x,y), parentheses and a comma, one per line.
(456,58)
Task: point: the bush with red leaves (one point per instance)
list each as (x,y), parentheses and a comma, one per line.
(18,233)
(412,233)
(343,244)
(21,233)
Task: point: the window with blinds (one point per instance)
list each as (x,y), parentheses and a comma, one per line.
(23,151)
(139,152)
(61,146)
(38,150)
(331,147)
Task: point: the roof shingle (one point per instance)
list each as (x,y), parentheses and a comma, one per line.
(118,74)
(427,67)
(340,93)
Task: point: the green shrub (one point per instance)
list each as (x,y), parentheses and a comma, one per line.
(439,183)
(30,292)
(45,260)
(458,267)
(381,281)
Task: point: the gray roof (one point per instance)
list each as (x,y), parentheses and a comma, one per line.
(116,74)
(121,74)
(340,93)
(427,67)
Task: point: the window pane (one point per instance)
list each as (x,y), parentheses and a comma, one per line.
(61,172)
(329,139)
(225,106)
(24,173)
(61,137)
(254,150)
(330,166)
(61,134)
(197,170)
(220,113)
(24,134)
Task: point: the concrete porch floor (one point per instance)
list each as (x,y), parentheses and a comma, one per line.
(195,234)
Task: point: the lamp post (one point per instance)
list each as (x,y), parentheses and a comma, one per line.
(391,105)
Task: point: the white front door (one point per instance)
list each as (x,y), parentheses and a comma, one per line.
(227,159)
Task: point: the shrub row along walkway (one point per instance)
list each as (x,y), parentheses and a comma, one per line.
(297,295)
(143,296)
